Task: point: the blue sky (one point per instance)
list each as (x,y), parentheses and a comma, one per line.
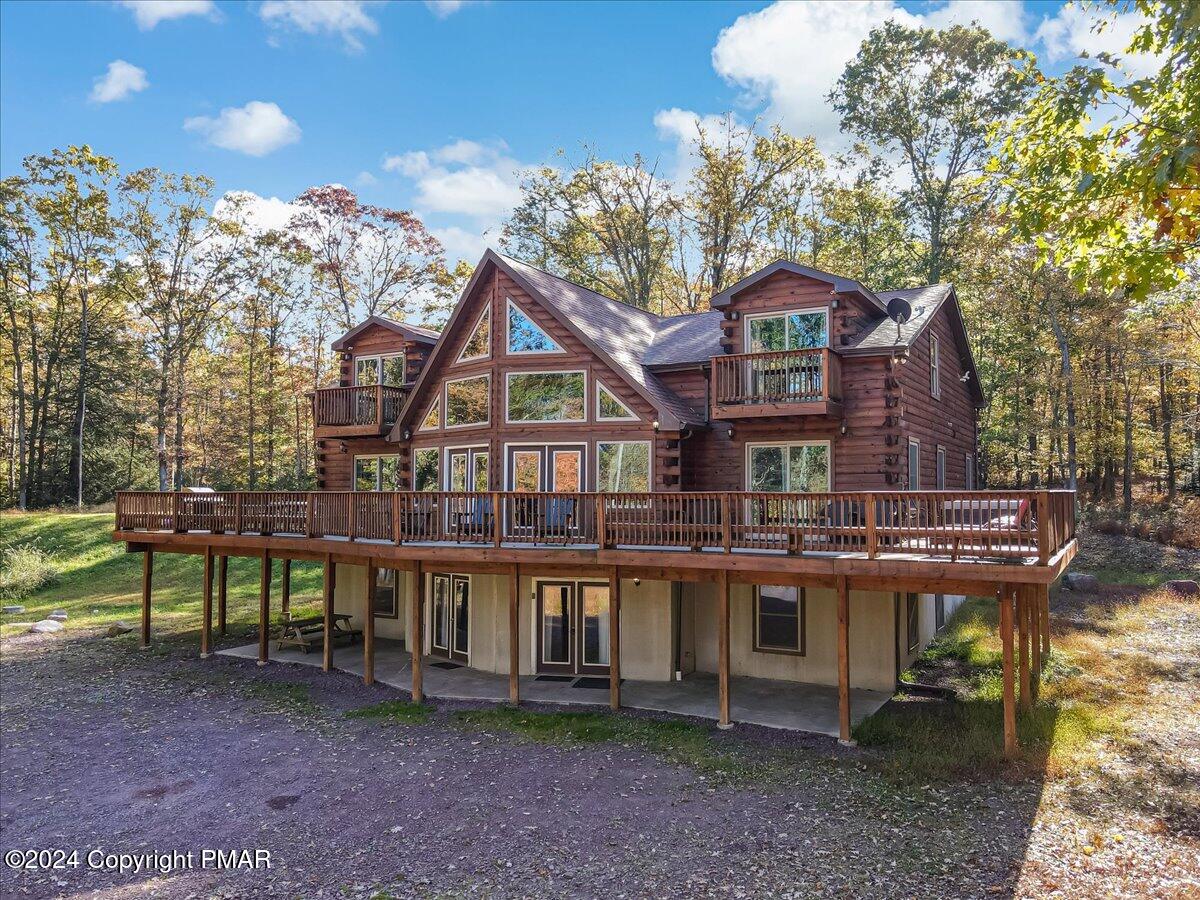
(436,106)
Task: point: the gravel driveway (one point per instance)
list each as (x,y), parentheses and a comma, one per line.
(105,747)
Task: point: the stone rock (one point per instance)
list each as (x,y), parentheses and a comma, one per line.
(14,609)
(118,628)
(46,626)
(1080,581)
(1183,586)
(59,615)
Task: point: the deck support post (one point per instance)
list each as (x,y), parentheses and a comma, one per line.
(1043,592)
(147,584)
(614,638)
(843,592)
(328,586)
(1009,685)
(264,609)
(369,628)
(514,635)
(723,720)
(285,587)
(206,605)
(1023,635)
(415,636)
(1033,603)
(223,594)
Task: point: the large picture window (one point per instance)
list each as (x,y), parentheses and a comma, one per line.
(369,370)
(779,619)
(623,466)
(788,468)
(425,469)
(525,336)
(467,401)
(377,473)
(801,330)
(546,397)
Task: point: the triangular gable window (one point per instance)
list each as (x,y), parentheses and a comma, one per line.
(478,345)
(433,418)
(610,407)
(524,335)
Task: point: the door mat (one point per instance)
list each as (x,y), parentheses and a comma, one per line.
(592,681)
(446,664)
(555,678)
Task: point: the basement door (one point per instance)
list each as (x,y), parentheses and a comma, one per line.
(450,617)
(573,627)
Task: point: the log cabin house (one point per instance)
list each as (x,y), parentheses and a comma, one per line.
(761,512)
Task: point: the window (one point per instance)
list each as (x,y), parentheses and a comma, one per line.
(524,336)
(935,385)
(913,612)
(468,470)
(914,464)
(609,408)
(969,462)
(788,468)
(433,418)
(478,345)
(546,397)
(566,471)
(623,466)
(425,469)
(939,611)
(467,401)
(385,598)
(367,369)
(941,468)
(802,330)
(377,473)
(779,619)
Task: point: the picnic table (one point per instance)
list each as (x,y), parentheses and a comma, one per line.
(310,631)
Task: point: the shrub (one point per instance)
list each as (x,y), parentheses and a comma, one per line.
(1187,526)
(25,569)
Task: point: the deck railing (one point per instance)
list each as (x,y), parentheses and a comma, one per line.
(371,405)
(777,377)
(1001,525)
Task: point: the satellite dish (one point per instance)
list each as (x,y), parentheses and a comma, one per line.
(899,310)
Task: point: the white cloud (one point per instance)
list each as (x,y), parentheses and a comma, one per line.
(444,8)
(256,129)
(347,18)
(460,243)
(1072,32)
(121,80)
(1005,19)
(365,179)
(148,13)
(464,177)
(259,213)
(413,164)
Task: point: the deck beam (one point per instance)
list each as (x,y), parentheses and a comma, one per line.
(614,638)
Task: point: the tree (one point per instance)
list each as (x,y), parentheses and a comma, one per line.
(932,97)
(1103,168)
(367,260)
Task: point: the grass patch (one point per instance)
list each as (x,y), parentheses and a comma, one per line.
(281,696)
(24,569)
(683,743)
(400,711)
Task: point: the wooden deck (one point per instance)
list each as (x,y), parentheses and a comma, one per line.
(365,410)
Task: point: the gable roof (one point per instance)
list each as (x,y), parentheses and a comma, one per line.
(411,332)
(616,332)
(839,284)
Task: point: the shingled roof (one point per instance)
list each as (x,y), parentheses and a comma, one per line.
(412,332)
(886,335)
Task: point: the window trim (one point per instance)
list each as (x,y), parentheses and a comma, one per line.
(445,395)
(649,464)
(914,472)
(487,354)
(380,357)
(508,351)
(939,468)
(378,457)
(601,386)
(777,314)
(827,444)
(935,364)
(801,617)
(508,380)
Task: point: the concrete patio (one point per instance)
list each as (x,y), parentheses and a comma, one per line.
(757,701)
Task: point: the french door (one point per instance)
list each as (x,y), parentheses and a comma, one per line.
(573,627)
(551,467)
(450,617)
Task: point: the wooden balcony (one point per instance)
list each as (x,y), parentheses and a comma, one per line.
(777,383)
(355,411)
(931,533)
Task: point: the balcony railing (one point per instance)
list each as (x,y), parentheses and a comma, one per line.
(776,379)
(1002,525)
(371,407)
